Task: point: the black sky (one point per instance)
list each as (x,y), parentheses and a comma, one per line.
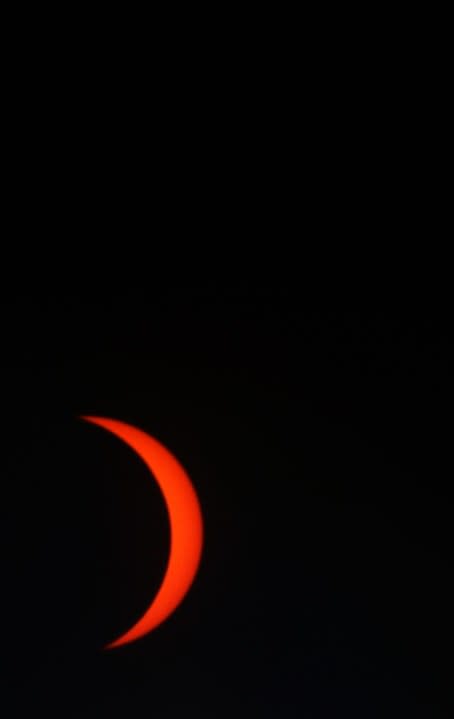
(319,444)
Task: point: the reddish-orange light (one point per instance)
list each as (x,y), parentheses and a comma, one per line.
(186,525)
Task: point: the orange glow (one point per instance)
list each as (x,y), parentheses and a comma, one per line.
(186,525)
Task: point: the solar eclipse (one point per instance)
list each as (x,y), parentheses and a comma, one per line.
(186,525)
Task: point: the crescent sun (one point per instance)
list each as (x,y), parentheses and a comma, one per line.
(186,525)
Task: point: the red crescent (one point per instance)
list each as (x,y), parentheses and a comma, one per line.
(186,525)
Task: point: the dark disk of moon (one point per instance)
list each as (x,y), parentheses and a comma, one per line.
(186,525)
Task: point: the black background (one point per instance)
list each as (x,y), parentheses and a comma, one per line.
(319,442)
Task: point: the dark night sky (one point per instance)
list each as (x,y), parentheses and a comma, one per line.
(320,445)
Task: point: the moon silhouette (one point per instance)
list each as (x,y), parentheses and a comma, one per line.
(186,525)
